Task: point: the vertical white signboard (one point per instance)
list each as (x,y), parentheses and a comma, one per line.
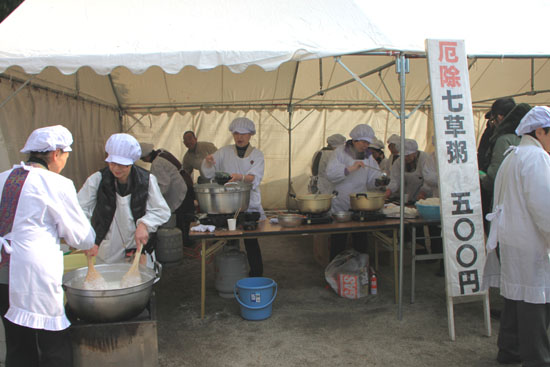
(461,215)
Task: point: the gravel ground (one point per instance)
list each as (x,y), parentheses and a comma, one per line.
(313,326)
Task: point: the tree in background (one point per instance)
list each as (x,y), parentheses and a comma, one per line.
(7,6)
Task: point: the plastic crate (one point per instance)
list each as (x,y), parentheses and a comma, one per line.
(429,212)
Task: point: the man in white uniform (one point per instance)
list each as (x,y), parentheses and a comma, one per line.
(352,169)
(244,163)
(39,207)
(520,265)
(393,142)
(417,163)
(124,203)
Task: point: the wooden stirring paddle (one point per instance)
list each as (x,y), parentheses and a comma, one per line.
(133,276)
(94,280)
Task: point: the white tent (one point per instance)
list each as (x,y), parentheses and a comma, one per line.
(158,68)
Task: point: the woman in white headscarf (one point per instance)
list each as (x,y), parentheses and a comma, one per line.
(244,163)
(417,164)
(124,203)
(38,206)
(319,182)
(352,169)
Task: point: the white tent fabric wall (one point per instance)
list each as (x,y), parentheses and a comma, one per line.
(89,123)
(310,133)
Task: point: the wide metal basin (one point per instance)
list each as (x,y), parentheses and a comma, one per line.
(110,305)
(223,199)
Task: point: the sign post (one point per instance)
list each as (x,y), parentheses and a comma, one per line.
(461,215)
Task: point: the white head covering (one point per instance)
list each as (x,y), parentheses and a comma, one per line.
(122,149)
(362,132)
(411,146)
(242,125)
(538,116)
(146,149)
(336,140)
(394,139)
(377,144)
(47,139)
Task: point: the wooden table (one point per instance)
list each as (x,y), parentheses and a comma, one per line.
(267,229)
(413,223)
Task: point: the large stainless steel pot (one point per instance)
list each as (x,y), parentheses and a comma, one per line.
(109,305)
(367,201)
(314,203)
(223,199)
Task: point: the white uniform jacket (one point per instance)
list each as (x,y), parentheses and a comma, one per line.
(360,180)
(47,211)
(520,224)
(252,163)
(121,233)
(414,181)
(171,183)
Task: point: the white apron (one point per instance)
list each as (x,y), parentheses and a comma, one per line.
(35,284)
(120,236)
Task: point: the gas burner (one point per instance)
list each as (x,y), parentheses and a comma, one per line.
(317,218)
(366,216)
(248,220)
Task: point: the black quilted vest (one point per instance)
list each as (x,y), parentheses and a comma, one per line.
(105,207)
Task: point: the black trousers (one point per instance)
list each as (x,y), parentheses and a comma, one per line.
(254,255)
(523,333)
(338,243)
(33,347)
(184,218)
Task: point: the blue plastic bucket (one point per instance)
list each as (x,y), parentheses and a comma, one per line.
(255,295)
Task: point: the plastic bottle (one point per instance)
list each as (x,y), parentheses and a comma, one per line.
(373,284)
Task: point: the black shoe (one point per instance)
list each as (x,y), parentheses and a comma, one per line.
(504,357)
(508,361)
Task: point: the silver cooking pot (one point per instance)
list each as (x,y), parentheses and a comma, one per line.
(109,305)
(223,199)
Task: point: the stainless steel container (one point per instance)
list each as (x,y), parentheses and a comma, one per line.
(223,199)
(112,304)
(342,216)
(290,220)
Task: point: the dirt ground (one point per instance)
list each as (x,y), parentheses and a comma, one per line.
(311,325)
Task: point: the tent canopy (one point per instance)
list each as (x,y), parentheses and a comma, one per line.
(156,69)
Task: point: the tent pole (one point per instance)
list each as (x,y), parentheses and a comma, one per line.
(402,69)
(17,91)
(289,151)
(339,61)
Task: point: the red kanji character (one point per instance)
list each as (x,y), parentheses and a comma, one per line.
(450,76)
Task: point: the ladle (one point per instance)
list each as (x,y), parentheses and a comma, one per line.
(133,276)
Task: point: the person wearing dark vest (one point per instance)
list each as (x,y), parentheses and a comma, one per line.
(319,183)
(175,185)
(38,208)
(124,203)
